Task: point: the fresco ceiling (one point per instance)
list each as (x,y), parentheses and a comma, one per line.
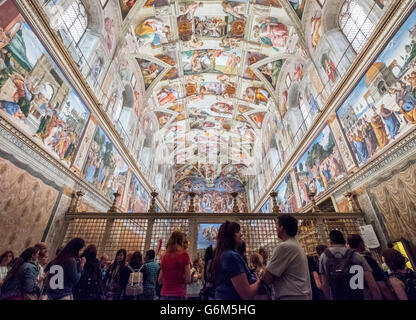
(210,73)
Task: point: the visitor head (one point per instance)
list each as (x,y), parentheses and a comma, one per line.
(228,238)
(136,260)
(201,262)
(72,249)
(394,260)
(6,258)
(43,257)
(29,255)
(264,255)
(185,243)
(287,226)
(320,248)
(196,264)
(356,242)
(41,245)
(150,255)
(336,238)
(256,261)
(90,253)
(121,257)
(129,257)
(105,261)
(176,242)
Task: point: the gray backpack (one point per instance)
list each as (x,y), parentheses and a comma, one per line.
(134,287)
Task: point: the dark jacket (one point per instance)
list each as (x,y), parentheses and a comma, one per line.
(112,283)
(22,283)
(72,274)
(90,285)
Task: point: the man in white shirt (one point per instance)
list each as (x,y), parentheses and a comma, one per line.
(287,270)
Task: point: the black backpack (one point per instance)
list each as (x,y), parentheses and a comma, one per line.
(409,280)
(338,275)
(89,286)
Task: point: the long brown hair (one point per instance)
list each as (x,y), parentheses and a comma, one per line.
(225,241)
(175,242)
(394,259)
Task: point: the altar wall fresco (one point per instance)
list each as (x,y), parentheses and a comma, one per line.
(209,199)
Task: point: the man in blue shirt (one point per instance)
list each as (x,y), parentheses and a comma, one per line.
(150,274)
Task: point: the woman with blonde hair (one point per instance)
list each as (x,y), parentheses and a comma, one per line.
(175,268)
(256,264)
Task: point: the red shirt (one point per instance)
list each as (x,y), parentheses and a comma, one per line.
(173,269)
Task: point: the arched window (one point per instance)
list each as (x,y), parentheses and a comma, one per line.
(305,111)
(355,24)
(76,21)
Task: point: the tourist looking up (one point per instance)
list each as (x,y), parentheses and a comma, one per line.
(175,268)
(5,264)
(335,267)
(113,286)
(89,286)
(72,266)
(233,279)
(150,272)
(256,265)
(357,243)
(134,266)
(208,291)
(287,270)
(401,279)
(194,288)
(21,281)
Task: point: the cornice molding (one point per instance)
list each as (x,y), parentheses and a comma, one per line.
(212,216)
(402,149)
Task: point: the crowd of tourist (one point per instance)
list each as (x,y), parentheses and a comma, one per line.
(225,273)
